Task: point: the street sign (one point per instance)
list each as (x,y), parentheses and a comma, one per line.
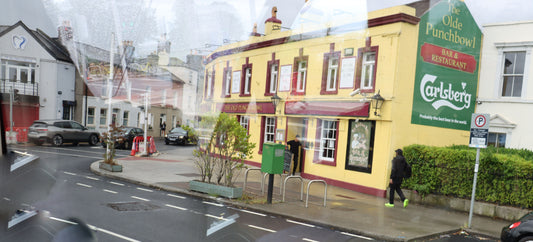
(479,130)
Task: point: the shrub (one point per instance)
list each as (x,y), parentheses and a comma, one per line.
(505,176)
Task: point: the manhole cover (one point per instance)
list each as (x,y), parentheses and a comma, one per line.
(132,206)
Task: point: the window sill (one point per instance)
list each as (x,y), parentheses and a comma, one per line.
(325,162)
(332,92)
(245,95)
(269,94)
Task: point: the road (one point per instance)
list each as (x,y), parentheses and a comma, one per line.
(121,211)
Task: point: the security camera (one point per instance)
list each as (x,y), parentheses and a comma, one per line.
(357,91)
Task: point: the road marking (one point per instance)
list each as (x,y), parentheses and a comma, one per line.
(105,190)
(216,217)
(176,207)
(97,229)
(146,190)
(7,199)
(140,198)
(83,185)
(214,204)
(62,153)
(310,240)
(357,236)
(176,196)
(250,212)
(261,228)
(300,223)
(92,178)
(116,183)
(69,173)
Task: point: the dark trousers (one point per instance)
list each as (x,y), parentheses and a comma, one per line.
(295,162)
(395,186)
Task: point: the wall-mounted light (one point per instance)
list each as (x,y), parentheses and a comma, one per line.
(275,101)
(377,102)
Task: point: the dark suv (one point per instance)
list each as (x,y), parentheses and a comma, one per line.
(58,132)
(125,137)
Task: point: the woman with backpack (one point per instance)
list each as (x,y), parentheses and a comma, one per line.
(396,177)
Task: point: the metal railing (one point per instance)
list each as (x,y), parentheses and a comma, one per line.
(30,89)
(246,178)
(301,187)
(325,191)
(263,183)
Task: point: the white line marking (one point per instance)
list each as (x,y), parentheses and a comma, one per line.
(357,236)
(105,190)
(69,173)
(213,216)
(116,183)
(300,223)
(98,229)
(176,196)
(92,178)
(62,153)
(176,207)
(146,190)
(310,240)
(140,198)
(250,212)
(83,185)
(214,204)
(261,228)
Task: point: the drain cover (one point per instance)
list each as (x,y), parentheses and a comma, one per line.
(132,206)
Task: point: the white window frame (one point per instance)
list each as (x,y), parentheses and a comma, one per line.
(512,47)
(302,74)
(274,69)
(209,83)
(227,90)
(372,66)
(247,79)
(91,116)
(103,116)
(270,122)
(332,78)
(497,136)
(244,121)
(125,118)
(328,140)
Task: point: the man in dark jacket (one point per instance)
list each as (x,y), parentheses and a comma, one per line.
(295,146)
(396,177)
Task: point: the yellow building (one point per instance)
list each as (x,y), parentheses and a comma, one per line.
(328,81)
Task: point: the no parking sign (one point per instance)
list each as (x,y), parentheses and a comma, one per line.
(479,130)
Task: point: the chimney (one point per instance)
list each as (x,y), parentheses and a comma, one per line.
(64,31)
(254,32)
(273,25)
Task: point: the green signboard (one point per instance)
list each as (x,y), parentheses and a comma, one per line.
(447,66)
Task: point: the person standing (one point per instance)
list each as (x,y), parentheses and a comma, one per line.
(295,146)
(396,178)
(163,128)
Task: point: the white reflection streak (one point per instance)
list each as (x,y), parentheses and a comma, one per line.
(218,226)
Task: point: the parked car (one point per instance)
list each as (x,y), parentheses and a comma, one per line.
(521,230)
(179,135)
(58,132)
(125,138)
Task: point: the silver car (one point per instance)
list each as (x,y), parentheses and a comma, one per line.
(58,132)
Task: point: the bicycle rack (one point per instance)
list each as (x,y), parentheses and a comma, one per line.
(263,183)
(325,191)
(246,177)
(301,187)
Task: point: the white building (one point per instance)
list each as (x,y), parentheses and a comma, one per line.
(39,69)
(505,84)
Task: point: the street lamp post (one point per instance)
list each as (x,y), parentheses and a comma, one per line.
(377,102)
(275,101)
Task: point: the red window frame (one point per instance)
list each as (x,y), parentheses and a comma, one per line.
(325,70)
(295,68)
(318,137)
(360,54)
(224,80)
(269,70)
(243,80)
(262,138)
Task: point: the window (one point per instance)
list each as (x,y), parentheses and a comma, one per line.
(209,85)
(497,140)
(367,75)
(268,131)
(330,72)
(125,118)
(513,73)
(68,112)
(244,121)
(333,69)
(247,81)
(227,82)
(326,144)
(115,116)
(103,116)
(302,75)
(75,125)
(90,115)
(273,78)
(18,71)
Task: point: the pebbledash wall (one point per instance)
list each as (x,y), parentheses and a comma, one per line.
(411,62)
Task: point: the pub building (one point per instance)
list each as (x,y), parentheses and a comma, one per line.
(354,92)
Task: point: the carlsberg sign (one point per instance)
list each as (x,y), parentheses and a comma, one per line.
(447,67)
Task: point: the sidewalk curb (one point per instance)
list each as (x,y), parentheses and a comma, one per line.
(94,168)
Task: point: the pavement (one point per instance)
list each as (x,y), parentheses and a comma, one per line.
(346,210)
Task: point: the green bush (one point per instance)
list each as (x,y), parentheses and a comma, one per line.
(505,175)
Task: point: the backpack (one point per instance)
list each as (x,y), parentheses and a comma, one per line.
(407,172)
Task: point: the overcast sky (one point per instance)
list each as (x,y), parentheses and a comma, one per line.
(47,14)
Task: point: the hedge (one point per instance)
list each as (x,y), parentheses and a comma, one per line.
(505,176)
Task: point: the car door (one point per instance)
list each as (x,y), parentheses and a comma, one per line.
(65,130)
(78,130)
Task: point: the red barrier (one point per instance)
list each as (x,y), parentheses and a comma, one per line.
(136,145)
(22,133)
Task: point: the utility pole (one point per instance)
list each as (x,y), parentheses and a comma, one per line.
(110,90)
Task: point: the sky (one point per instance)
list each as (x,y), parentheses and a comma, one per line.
(237,17)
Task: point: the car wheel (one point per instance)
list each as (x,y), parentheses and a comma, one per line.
(57,140)
(525,239)
(93,140)
(127,145)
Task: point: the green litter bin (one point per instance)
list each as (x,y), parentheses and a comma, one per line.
(273,157)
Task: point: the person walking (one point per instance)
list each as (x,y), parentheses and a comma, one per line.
(163,128)
(396,178)
(295,149)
